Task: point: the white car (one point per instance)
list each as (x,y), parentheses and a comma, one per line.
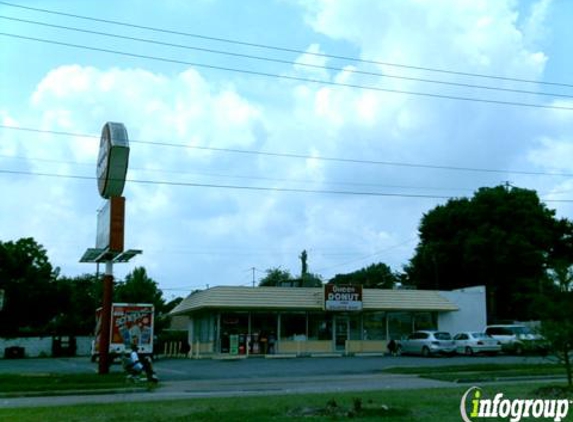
(470,343)
(427,343)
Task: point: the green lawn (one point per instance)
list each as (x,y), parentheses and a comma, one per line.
(405,405)
(13,384)
(481,372)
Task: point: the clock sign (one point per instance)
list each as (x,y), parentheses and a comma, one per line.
(112,160)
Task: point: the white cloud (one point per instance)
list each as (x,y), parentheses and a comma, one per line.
(198,235)
(312,63)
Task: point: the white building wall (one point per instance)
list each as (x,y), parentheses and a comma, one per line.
(42,346)
(471,315)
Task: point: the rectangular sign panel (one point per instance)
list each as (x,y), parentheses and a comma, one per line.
(342,298)
(110,225)
(130,324)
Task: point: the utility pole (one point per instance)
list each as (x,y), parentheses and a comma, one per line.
(253,268)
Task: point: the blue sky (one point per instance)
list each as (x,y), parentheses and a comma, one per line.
(202,233)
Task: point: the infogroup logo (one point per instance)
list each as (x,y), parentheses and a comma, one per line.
(514,409)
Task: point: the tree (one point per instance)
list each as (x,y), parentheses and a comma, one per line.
(78,298)
(276,277)
(310,280)
(557,328)
(304,264)
(503,238)
(138,287)
(29,283)
(375,276)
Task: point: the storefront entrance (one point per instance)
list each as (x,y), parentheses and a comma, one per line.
(340,332)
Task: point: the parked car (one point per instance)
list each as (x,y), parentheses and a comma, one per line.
(517,339)
(427,343)
(470,343)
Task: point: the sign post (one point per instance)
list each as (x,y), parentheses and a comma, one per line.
(112,166)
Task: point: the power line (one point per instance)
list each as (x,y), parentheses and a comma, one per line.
(368,256)
(241,177)
(284,49)
(247,188)
(299,156)
(289,62)
(287,77)
(233,187)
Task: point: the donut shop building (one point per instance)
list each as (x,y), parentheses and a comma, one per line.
(302,321)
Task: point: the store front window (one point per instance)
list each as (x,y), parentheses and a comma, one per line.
(320,327)
(293,326)
(354,327)
(234,330)
(374,326)
(425,321)
(202,328)
(263,333)
(399,325)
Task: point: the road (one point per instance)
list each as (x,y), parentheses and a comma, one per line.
(187,378)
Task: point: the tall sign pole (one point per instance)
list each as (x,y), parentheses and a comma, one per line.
(112,166)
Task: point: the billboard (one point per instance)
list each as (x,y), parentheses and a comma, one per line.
(342,297)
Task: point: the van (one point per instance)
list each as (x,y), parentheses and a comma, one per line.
(517,339)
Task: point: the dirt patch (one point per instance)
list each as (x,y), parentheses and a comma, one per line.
(339,411)
(554,392)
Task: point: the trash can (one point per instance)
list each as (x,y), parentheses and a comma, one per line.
(14,352)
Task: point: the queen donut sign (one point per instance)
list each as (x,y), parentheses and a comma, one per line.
(112,160)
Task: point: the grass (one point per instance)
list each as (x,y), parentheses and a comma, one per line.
(395,405)
(13,384)
(481,372)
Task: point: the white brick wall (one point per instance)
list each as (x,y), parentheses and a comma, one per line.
(42,346)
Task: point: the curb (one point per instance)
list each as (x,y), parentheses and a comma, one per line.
(60,393)
(510,379)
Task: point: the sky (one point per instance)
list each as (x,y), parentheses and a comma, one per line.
(259,129)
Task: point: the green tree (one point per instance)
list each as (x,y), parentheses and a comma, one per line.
(375,276)
(503,238)
(138,287)
(78,298)
(276,277)
(310,280)
(557,328)
(304,264)
(29,283)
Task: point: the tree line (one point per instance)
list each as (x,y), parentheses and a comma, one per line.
(38,300)
(503,238)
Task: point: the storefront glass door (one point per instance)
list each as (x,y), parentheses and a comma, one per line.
(340,332)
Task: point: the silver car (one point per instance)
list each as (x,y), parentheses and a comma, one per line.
(427,343)
(470,343)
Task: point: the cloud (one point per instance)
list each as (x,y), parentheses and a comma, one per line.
(194,235)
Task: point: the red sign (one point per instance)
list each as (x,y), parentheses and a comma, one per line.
(342,297)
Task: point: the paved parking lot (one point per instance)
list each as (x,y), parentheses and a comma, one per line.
(205,369)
